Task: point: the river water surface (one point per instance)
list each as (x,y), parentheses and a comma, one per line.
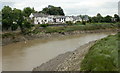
(24,56)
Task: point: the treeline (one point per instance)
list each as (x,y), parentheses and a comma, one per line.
(13,19)
(107,19)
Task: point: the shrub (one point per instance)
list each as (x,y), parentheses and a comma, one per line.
(69,22)
(44,25)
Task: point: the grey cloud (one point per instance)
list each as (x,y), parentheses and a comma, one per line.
(11,4)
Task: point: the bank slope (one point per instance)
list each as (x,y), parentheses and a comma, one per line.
(102,56)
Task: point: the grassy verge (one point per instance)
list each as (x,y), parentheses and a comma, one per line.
(45,28)
(74,28)
(103,56)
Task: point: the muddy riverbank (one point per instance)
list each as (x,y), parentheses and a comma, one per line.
(69,61)
(23,56)
(19,38)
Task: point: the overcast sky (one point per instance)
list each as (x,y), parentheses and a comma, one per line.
(70,7)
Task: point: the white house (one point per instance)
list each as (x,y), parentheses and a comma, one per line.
(40,18)
(60,19)
(69,18)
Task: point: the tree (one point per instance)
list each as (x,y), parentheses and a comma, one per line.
(90,19)
(94,19)
(83,18)
(18,18)
(27,11)
(117,18)
(107,19)
(6,17)
(27,24)
(52,10)
(99,18)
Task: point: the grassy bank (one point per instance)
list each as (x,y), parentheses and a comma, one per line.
(74,27)
(38,29)
(103,56)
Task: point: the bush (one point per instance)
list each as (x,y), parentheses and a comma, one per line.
(14,27)
(69,22)
(27,24)
(84,22)
(44,25)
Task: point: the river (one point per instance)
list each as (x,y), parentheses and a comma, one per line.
(24,56)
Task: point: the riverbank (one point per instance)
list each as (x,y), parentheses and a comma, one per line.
(101,55)
(69,61)
(19,37)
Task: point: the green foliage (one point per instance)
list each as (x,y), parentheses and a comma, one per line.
(99,18)
(107,19)
(52,10)
(18,18)
(84,22)
(117,18)
(12,19)
(69,23)
(75,27)
(27,24)
(27,11)
(14,27)
(44,25)
(103,56)
(6,17)
(83,17)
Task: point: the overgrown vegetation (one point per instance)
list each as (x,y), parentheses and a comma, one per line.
(103,56)
(74,28)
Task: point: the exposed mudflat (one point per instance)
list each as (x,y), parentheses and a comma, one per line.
(19,38)
(69,61)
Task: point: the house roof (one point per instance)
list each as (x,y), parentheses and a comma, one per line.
(60,17)
(76,17)
(39,15)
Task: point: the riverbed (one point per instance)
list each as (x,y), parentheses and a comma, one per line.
(24,56)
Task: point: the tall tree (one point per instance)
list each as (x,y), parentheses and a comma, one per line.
(6,17)
(18,18)
(117,18)
(52,10)
(27,11)
(99,17)
(83,17)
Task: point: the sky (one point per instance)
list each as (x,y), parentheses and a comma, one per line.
(70,7)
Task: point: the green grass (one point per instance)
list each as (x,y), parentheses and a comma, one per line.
(75,27)
(103,56)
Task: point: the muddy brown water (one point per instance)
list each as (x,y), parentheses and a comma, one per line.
(24,56)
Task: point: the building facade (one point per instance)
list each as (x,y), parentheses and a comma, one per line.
(40,18)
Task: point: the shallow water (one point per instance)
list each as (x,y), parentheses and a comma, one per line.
(24,56)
